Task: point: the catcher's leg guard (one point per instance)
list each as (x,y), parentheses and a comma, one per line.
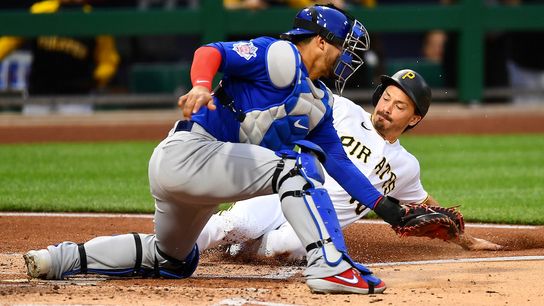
(325,233)
(153,265)
(318,204)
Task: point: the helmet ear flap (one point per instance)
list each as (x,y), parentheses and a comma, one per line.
(377,94)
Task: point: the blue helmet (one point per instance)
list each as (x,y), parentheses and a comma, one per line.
(337,28)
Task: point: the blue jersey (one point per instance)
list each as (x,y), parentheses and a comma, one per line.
(279,110)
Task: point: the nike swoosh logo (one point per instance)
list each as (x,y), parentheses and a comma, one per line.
(364,127)
(354,280)
(300,126)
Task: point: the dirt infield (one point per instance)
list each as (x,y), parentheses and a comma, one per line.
(416,270)
(463,277)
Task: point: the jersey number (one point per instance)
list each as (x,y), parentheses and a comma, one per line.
(359,208)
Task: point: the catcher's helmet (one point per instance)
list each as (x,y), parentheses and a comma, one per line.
(338,28)
(413,85)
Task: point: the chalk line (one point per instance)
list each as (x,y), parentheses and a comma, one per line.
(150,216)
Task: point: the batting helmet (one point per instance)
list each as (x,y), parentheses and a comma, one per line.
(413,85)
(338,28)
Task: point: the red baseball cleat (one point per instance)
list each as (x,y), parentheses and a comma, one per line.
(349,281)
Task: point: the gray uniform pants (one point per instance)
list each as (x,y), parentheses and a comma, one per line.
(190,173)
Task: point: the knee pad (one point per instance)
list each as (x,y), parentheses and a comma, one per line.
(306,164)
(174,268)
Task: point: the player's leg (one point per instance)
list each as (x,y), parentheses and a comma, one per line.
(244,220)
(127,254)
(284,241)
(190,174)
(308,208)
(281,241)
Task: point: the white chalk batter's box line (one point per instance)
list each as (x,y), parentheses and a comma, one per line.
(286,272)
(458,260)
(150,216)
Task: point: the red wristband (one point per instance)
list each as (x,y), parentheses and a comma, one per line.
(205,65)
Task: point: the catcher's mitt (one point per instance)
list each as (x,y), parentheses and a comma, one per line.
(430,221)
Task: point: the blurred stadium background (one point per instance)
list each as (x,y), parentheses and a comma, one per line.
(465,49)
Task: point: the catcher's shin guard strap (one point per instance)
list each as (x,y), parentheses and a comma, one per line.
(296,193)
(317,244)
(292,193)
(82,258)
(279,169)
(292,173)
(284,154)
(138,244)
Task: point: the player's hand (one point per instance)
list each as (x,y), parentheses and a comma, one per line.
(197,97)
(470,243)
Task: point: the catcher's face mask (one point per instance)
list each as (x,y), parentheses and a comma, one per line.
(350,60)
(339,29)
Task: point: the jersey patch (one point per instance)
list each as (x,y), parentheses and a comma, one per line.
(245,49)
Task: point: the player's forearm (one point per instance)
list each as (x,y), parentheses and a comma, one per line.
(470,243)
(430,201)
(205,65)
(353,181)
(359,187)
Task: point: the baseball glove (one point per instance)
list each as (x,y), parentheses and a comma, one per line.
(430,221)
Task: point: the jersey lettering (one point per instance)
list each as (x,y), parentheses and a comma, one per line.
(383,168)
(355,148)
(380,166)
(389,185)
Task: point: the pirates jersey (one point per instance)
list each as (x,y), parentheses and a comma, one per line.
(388,166)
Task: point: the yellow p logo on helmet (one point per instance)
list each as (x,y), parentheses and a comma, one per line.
(410,74)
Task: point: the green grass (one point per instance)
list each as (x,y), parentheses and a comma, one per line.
(493,178)
(75,177)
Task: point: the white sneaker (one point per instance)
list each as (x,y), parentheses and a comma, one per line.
(38,263)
